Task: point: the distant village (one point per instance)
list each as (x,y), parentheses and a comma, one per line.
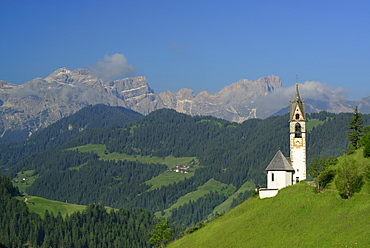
(180,168)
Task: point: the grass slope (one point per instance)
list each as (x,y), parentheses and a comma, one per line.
(311,123)
(170,161)
(296,217)
(226,205)
(30,177)
(42,204)
(211,185)
(167,178)
(163,179)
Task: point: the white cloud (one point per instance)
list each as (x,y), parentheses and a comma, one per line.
(309,91)
(113,67)
(321,91)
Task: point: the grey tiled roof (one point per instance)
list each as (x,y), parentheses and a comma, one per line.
(279,163)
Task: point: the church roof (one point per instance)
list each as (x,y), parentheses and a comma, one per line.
(297,101)
(279,163)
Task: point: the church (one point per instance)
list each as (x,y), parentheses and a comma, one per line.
(283,171)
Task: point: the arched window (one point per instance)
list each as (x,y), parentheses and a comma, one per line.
(298,132)
(297,116)
(272,177)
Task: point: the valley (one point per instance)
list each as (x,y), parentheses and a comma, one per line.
(126,166)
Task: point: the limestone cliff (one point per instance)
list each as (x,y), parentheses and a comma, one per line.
(34,105)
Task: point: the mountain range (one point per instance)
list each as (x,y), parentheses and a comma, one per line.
(30,107)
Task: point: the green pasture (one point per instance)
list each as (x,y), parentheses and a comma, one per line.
(296,217)
(226,205)
(166,178)
(311,123)
(170,161)
(41,205)
(23,184)
(211,185)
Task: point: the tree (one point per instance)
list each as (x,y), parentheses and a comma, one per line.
(348,181)
(320,171)
(194,228)
(161,234)
(365,141)
(355,130)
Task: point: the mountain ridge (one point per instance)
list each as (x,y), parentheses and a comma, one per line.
(30,107)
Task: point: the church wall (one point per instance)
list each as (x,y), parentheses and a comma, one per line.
(278,179)
(266,193)
(292,126)
(298,156)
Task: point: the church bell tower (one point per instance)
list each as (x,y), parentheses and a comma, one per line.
(297,119)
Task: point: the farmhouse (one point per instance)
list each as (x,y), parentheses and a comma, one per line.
(180,168)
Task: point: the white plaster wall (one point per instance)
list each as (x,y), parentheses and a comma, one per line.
(289,178)
(298,159)
(266,193)
(281,179)
(298,151)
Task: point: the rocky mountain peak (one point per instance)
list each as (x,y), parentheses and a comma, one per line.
(36,104)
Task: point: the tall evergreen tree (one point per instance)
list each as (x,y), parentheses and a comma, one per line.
(355,130)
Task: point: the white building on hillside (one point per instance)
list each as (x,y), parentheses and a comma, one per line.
(282,171)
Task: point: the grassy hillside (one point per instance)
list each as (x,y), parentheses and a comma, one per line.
(164,179)
(226,205)
(169,161)
(41,205)
(211,185)
(24,179)
(296,217)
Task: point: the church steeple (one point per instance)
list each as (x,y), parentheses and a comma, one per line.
(297,119)
(297,104)
(282,171)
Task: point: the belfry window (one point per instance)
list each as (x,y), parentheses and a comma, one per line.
(298,132)
(297,116)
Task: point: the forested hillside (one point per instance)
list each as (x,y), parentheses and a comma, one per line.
(65,130)
(228,153)
(94,227)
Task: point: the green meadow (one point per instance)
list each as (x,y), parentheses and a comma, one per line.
(211,185)
(170,161)
(311,123)
(295,217)
(29,176)
(164,179)
(40,205)
(226,205)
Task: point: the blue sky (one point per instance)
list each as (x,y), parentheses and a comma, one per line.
(202,45)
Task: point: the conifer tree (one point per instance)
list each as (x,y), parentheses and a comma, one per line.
(355,130)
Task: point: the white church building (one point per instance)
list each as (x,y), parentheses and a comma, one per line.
(283,171)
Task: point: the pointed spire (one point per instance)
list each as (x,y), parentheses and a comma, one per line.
(297,102)
(297,97)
